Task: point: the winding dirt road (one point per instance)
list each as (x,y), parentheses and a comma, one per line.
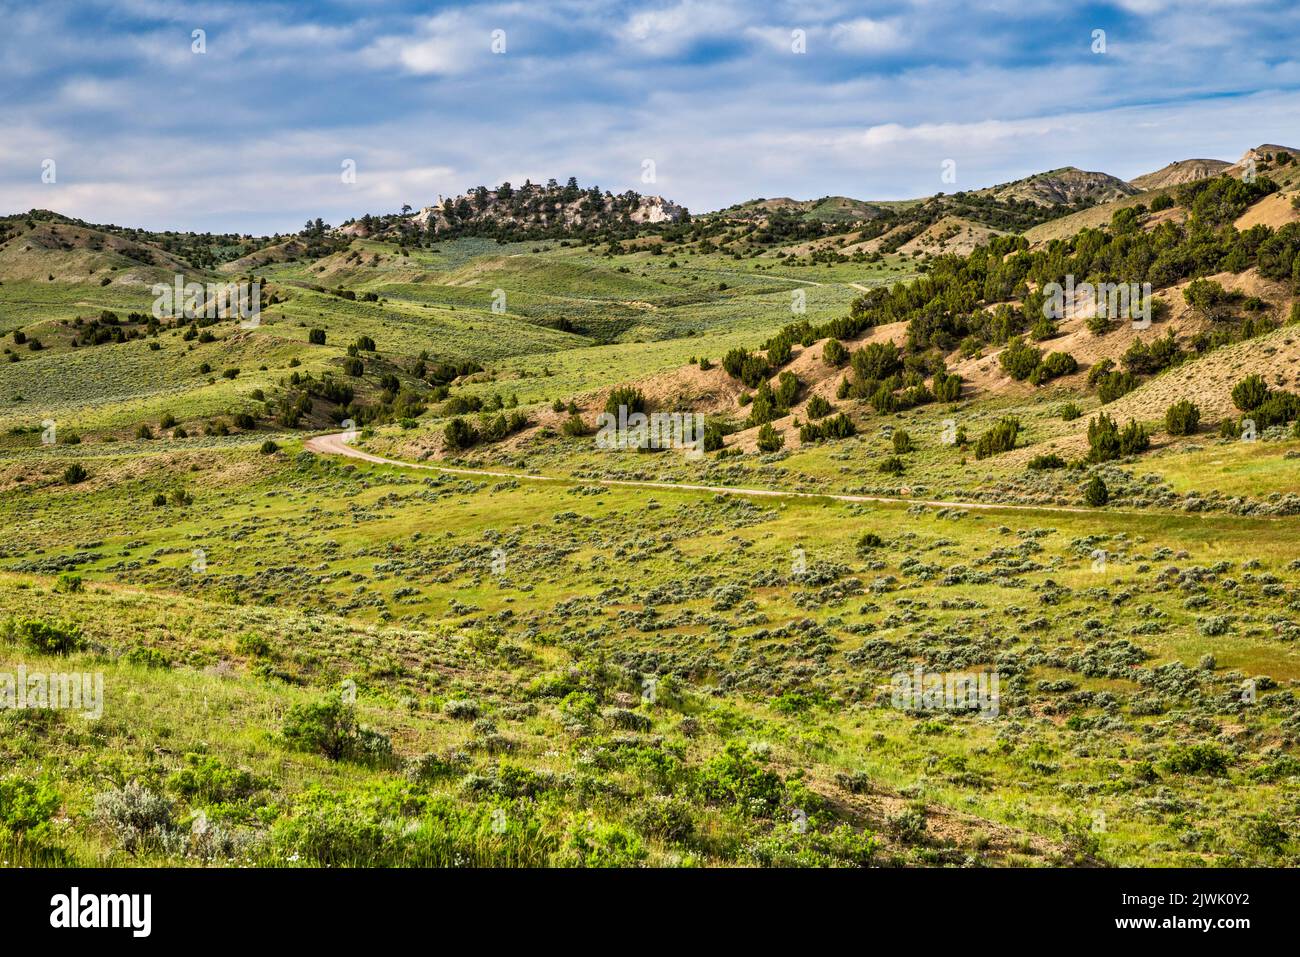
(336,445)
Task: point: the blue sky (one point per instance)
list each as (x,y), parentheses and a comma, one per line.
(251,135)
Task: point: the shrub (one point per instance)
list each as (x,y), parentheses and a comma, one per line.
(140,819)
(1109,442)
(147,658)
(769,440)
(26,807)
(1210,299)
(1182,418)
(877,360)
(206,779)
(748,368)
(1134,439)
(1250,393)
(574,426)
(461,709)
(712,437)
(1019,359)
(254,645)
(269,447)
(834,354)
(902,442)
(329,727)
(735,779)
(53,637)
(1057,364)
(787,388)
(1041,463)
(316,337)
(1278,409)
(839,427)
(459,434)
(1195,759)
(597,844)
(869,542)
(1103,437)
(625,395)
(665,818)
(946,387)
(74,474)
(1115,385)
(1265,832)
(1099,323)
(1000,438)
(69,584)
(1095,492)
(818,408)
(892,465)
(1070,412)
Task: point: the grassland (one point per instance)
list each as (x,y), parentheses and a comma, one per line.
(547,607)
(310,660)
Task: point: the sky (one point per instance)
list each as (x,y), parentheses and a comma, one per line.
(120,112)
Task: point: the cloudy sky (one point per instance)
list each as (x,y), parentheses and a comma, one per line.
(252,135)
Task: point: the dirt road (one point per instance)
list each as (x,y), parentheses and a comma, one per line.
(335,445)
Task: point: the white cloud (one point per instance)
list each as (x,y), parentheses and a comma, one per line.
(445,44)
(867,36)
(667,31)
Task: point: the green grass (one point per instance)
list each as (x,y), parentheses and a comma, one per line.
(384,576)
(265,582)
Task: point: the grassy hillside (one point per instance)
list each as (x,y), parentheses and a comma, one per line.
(501,653)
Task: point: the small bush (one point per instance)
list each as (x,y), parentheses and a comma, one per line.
(26,807)
(869,542)
(575,427)
(459,434)
(1040,463)
(769,440)
(1000,438)
(1182,418)
(818,408)
(1019,359)
(69,584)
(53,637)
(1250,393)
(1195,759)
(834,354)
(140,819)
(1095,492)
(330,728)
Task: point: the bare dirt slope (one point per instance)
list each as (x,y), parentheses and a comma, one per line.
(1177,173)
